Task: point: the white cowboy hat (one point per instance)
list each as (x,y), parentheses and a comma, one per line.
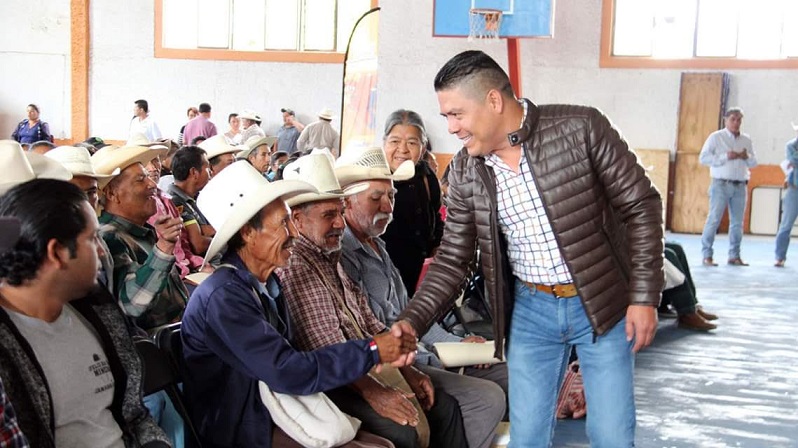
(216,146)
(19,166)
(111,158)
(252,144)
(249,115)
(139,139)
(326,113)
(359,164)
(78,161)
(235,195)
(317,168)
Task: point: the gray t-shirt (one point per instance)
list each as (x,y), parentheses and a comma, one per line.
(79,376)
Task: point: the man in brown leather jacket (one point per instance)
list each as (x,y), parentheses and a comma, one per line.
(570,234)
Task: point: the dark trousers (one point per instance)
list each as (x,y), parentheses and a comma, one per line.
(683,297)
(445,420)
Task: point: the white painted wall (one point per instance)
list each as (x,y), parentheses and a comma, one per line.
(123,70)
(34,64)
(642,103)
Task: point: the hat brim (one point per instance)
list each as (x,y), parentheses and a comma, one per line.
(43,168)
(322,196)
(351,174)
(123,157)
(244,211)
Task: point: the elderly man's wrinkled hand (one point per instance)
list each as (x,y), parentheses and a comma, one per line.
(421,385)
(392,348)
(394,404)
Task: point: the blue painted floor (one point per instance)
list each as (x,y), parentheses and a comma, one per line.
(736,386)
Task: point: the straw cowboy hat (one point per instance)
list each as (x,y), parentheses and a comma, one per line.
(235,195)
(19,166)
(111,158)
(217,145)
(9,232)
(326,113)
(253,143)
(317,168)
(78,161)
(249,115)
(360,164)
(139,139)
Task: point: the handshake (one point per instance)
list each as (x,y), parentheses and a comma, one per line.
(397,346)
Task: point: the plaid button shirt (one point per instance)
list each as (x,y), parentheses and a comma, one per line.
(319,318)
(531,246)
(10,434)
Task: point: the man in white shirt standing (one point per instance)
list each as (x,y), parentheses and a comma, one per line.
(729,155)
(142,123)
(320,134)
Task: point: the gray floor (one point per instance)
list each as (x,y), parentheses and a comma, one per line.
(734,387)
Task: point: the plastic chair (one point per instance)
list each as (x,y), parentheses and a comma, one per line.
(160,375)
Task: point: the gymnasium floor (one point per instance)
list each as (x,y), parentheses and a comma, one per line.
(736,386)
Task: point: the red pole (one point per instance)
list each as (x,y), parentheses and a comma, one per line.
(514,59)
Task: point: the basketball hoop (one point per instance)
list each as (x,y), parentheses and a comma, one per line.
(484,23)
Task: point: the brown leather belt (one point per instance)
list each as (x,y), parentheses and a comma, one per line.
(562,291)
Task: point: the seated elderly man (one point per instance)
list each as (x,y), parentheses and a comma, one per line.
(367,263)
(220,153)
(236,328)
(78,161)
(190,168)
(329,309)
(67,359)
(146,281)
(258,153)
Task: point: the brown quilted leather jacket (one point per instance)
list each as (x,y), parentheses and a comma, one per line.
(605,213)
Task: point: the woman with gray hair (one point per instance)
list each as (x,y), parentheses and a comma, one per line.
(417,227)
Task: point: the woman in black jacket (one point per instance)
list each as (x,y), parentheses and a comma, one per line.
(417,227)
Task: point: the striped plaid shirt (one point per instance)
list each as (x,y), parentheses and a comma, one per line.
(10,434)
(318,317)
(146,281)
(531,247)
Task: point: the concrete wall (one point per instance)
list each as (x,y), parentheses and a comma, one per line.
(34,63)
(643,103)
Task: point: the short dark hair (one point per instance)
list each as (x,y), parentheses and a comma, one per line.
(184,159)
(198,139)
(476,68)
(236,242)
(192,109)
(276,156)
(35,145)
(34,107)
(204,108)
(231,116)
(143,105)
(47,209)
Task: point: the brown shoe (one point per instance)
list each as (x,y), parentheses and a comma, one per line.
(693,321)
(708,262)
(707,316)
(737,262)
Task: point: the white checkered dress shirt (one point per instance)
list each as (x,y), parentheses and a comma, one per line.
(531,246)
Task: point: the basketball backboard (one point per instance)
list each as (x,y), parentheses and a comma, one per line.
(521,18)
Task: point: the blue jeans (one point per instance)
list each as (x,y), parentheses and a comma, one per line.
(789,211)
(542,331)
(721,195)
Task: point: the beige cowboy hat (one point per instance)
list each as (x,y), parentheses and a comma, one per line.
(78,161)
(217,145)
(235,195)
(110,158)
(19,166)
(253,143)
(326,113)
(317,168)
(360,164)
(139,139)
(249,115)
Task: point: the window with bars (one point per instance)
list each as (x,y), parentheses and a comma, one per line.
(305,26)
(742,30)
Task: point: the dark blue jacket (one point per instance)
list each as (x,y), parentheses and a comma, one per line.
(232,339)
